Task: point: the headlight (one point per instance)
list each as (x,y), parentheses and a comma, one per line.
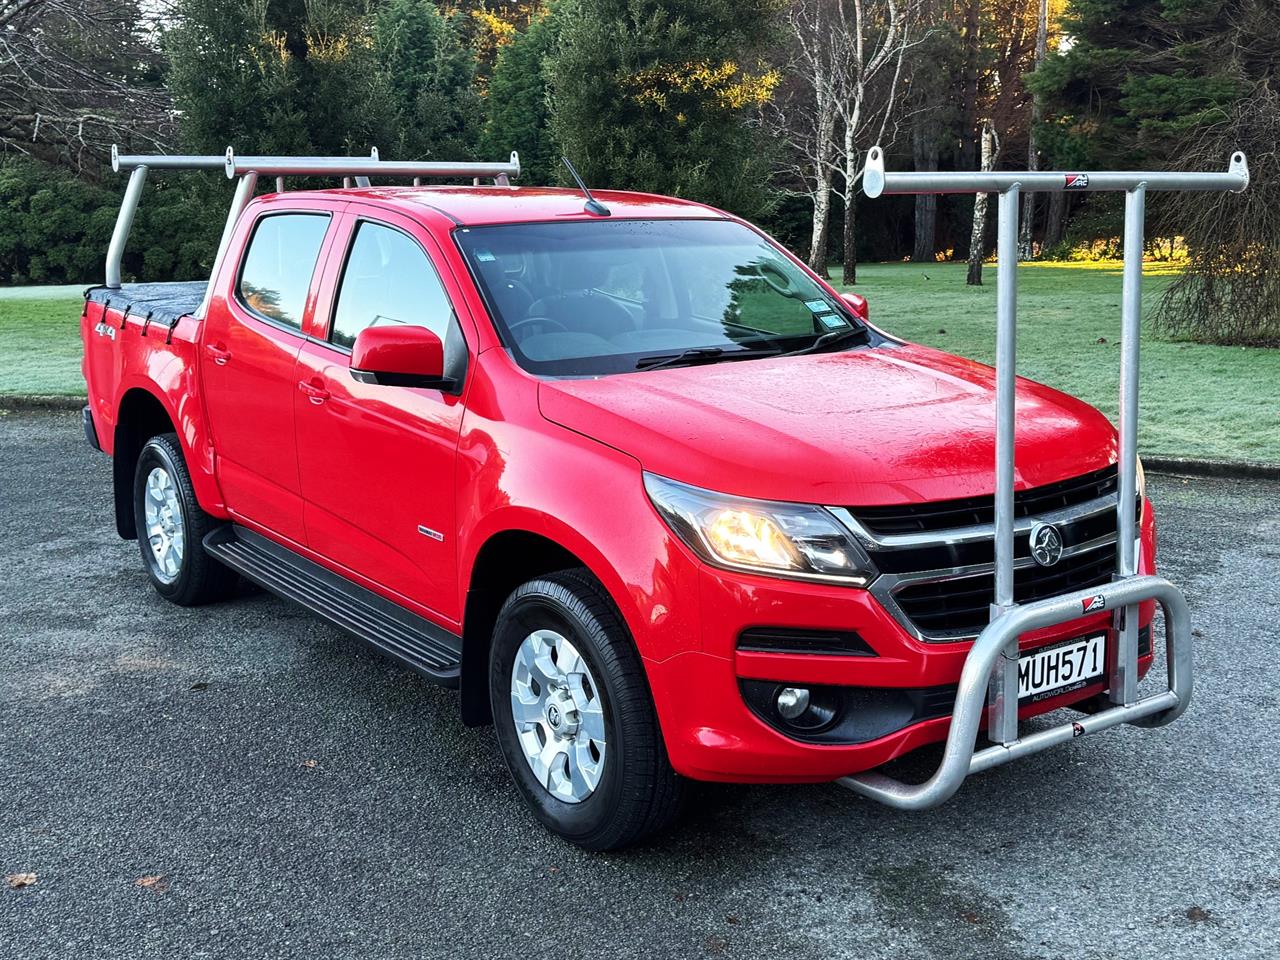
(783,539)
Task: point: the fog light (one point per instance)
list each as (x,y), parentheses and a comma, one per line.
(792,702)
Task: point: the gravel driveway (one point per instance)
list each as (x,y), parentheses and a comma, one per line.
(244,781)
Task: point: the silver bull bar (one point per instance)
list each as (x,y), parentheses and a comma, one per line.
(989,681)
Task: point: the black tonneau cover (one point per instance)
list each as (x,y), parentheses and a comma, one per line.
(165,303)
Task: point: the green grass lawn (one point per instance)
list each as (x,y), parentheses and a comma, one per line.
(1197,401)
(40,341)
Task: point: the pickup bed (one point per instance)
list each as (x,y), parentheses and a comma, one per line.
(658,500)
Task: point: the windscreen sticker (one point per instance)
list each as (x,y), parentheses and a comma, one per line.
(831,321)
(817,306)
(484,256)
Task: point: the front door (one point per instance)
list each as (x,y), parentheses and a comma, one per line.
(377,462)
(252,336)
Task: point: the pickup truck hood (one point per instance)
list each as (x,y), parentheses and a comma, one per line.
(880,425)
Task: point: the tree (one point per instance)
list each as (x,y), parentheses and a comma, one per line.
(430,73)
(516,105)
(665,96)
(977,240)
(878,37)
(845,60)
(933,107)
(804,112)
(77,76)
(1213,87)
(1026,227)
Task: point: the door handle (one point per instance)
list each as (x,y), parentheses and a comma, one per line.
(314,393)
(219,354)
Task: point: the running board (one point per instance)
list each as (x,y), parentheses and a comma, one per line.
(387,627)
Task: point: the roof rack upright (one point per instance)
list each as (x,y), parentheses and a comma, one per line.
(249,168)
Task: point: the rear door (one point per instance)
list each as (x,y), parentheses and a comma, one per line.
(377,462)
(253,332)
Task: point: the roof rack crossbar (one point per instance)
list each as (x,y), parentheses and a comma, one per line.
(354,167)
(876,182)
(249,168)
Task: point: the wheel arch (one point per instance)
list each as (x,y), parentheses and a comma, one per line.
(141,415)
(506,559)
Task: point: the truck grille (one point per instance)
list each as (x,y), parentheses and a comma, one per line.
(948,514)
(961,605)
(937,560)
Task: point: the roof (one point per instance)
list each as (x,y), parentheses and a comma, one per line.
(472,206)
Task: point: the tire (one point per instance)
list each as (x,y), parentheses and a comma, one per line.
(186,575)
(635,793)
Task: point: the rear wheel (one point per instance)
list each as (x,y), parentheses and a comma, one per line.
(171,527)
(574,716)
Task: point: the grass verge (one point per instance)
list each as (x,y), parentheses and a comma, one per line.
(1197,401)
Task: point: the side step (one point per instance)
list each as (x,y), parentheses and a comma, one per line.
(389,628)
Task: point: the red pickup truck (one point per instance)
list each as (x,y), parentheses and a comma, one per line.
(658,500)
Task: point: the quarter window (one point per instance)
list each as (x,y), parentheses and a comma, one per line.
(388,279)
(278,265)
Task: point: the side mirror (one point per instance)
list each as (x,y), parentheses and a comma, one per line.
(400,356)
(857,304)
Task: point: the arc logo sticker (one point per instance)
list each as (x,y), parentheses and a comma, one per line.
(1094,603)
(1076,181)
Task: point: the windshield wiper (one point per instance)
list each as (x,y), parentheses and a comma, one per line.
(696,354)
(827,340)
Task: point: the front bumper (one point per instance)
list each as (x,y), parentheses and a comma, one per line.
(712,734)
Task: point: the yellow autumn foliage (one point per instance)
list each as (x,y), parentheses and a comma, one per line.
(725,83)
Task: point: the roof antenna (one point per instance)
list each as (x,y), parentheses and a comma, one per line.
(592,205)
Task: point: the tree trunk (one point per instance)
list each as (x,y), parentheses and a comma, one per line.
(849,275)
(969,106)
(1053,224)
(925,147)
(1026,229)
(977,238)
(821,225)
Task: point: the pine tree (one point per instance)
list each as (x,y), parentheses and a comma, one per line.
(663,95)
(516,106)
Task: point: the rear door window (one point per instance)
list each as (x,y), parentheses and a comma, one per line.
(388,279)
(276,273)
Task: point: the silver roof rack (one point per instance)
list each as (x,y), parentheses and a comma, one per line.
(249,168)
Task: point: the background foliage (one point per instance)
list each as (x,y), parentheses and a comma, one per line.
(698,98)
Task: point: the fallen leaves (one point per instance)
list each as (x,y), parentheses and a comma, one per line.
(17,881)
(311,764)
(155,882)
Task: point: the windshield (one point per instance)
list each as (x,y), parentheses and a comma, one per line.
(596,297)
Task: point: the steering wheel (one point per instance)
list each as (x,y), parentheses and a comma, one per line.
(774,277)
(526,321)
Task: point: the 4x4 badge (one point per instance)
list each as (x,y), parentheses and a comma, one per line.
(1046,544)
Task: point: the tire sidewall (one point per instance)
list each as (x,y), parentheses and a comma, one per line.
(154,455)
(537,606)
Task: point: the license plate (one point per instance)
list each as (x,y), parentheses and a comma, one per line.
(1061,669)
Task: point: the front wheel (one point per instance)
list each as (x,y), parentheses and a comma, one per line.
(171,526)
(574,716)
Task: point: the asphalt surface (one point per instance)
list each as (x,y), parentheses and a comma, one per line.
(291,794)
